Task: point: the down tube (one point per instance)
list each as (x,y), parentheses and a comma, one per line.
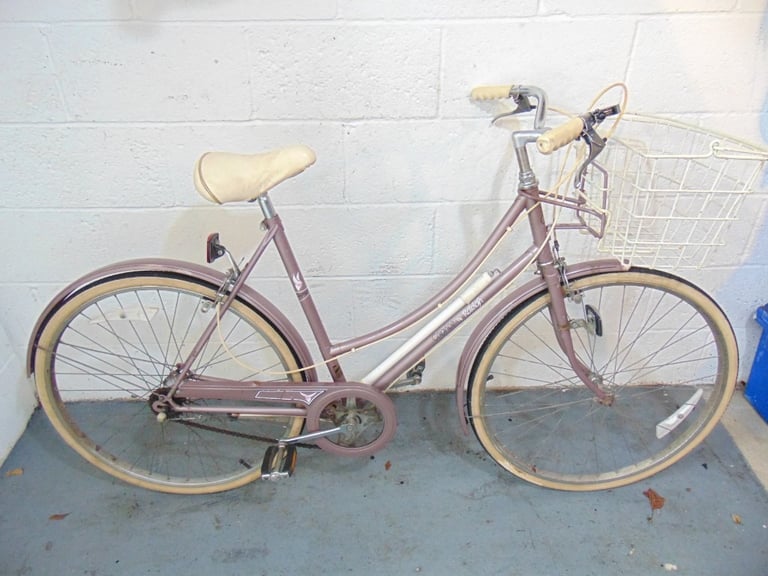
(414,350)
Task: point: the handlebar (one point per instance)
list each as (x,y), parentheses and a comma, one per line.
(557,137)
(552,139)
(548,139)
(521,95)
(491,92)
(583,125)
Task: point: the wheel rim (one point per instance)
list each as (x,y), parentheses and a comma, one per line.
(657,353)
(110,348)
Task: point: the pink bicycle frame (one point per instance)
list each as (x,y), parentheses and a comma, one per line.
(424,341)
(449,309)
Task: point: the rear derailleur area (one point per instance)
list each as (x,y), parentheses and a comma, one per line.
(163,410)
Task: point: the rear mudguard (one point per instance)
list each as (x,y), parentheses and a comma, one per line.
(500,311)
(182,269)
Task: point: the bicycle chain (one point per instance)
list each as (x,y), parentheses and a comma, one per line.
(256,437)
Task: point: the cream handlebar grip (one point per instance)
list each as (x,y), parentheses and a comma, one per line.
(559,136)
(490,92)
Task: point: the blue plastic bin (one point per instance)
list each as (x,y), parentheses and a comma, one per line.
(757,386)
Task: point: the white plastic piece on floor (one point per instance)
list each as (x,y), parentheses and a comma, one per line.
(676,418)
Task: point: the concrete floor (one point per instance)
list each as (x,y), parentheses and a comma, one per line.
(750,432)
(430,503)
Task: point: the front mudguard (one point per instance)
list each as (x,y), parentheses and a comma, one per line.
(501,310)
(181,269)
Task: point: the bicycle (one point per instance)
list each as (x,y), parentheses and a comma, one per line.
(170,375)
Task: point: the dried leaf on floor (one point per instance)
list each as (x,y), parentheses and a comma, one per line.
(656,500)
(387,465)
(58,516)
(14,472)
(736,518)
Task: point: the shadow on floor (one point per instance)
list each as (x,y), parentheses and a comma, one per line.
(429,503)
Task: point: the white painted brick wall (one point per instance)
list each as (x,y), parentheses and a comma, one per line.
(105,105)
(16,396)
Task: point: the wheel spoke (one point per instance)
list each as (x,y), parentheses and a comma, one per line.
(103,361)
(663,342)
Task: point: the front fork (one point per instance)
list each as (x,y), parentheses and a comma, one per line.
(552,273)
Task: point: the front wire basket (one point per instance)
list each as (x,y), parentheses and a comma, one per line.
(673,189)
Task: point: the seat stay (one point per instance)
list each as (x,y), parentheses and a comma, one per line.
(237,283)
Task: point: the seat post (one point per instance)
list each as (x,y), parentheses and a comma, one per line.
(266,206)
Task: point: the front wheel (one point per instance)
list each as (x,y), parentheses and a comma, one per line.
(659,345)
(107,354)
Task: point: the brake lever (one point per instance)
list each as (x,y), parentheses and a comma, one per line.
(523,105)
(595,143)
(602,113)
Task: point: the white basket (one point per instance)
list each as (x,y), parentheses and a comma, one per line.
(673,189)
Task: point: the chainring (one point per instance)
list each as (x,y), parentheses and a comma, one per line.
(367,416)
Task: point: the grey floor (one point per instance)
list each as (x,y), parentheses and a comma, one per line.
(430,503)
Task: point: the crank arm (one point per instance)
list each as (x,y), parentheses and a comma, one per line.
(280,459)
(316,435)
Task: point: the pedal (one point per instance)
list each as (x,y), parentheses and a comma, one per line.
(279,462)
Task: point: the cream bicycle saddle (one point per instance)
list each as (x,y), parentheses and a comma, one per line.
(223,177)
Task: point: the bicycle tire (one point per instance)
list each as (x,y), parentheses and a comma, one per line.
(107,348)
(666,351)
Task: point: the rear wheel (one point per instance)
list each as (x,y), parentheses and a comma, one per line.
(658,344)
(105,356)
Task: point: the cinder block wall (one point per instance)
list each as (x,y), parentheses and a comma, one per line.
(105,105)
